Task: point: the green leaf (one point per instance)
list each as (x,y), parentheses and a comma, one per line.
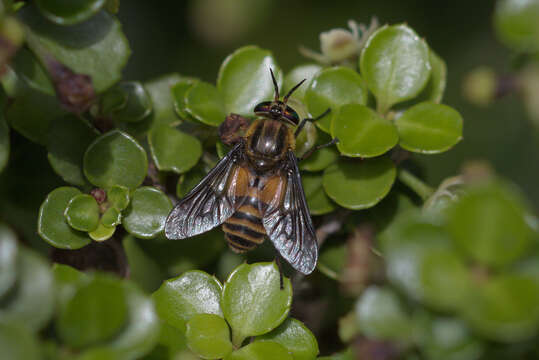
(208,336)
(173,150)
(178,95)
(82,213)
(381,316)
(18,343)
(320,159)
(362,132)
(395,64)
(96,312)
(70,12)
(96,47)
(4,142)
(68,139)
(435,88)
(333,260)
(52,225)
(146,214)
(193,292)
(429,128)
(295,337)
(330,89)
(515,22)
(115,158)
(261,350)
(144,271)
(29,69)
(102,232)
(319,203)
(127,102)
(244,79)
(359,184)
(160,94)
(297,74)
(204,103)
(8,259)
(188,181)
(112,217)
(32,302)
(118,197)
(488,224)
(253,303)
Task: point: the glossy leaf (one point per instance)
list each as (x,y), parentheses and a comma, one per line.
(4,143)
(144,271)
(362,132)
(96,312)
(253,303)
(146,214)
(321,158)
(429,128)
(295,337)
(330,89)
(111,217)
(317,200)
(208,336)
(193,292)
(52,225)
(18,343)
(28,68)
(68,139)
(178,95)
(245,81)
(115,158)
(188,181)
(435,88)
(70,12)
(8,259)
(395,64)
(82,213)
(516,24)
(332,260)
(359,184)
(204,103)
(261,350)
(118,197)
(128,102)
(173,150)
(297,74)
(488,224)
(102,232)
(96,47)
(160,94)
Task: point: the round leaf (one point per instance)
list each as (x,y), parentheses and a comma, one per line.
(8,257)
(516,24)
(435,88)
(137,105)
(193,292)
(330,89)
(178,95)
(29,69)
(362,132)
(146,214)
(321,158)
(118,197)
(4,143)
(69,12)
(115,158)
(204,103)
(111,217)
(18,343)
(208,336)
(173,150)
(297,74)
(188,181)
(429,128)
(359,184)
(245,81)
(52,225)
(253,303)
(295,337)
(261,350)
(488,224)
(102,232)
(319,203)
(96,312)
(82,213)
(162,100)
(395,64)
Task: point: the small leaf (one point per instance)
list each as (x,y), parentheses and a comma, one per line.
(261,350)
(8,259)
(253,303)
(208,336)
(295,337)
(146,214)
(82,213)
(178,94)
(4,143)
(52,225)
(136,106)
(159,90)
(111,218)
(359,184)
(188,181)
(321,158)
(435,88)
(515,22)
(330,89)
(96,312)
(29,69)
(244,79)
(115,158)
(429,128)
(395,64)
(70,12)
(297,74)
(173,150)
(118,197)
(362,132)
(204,103)
(102,232)
(18,343)
(319,203)
(193,292)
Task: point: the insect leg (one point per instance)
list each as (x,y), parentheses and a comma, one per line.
(304,121)
(278,262)
(310,152)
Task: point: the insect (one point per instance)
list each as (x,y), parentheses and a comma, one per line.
(255,190)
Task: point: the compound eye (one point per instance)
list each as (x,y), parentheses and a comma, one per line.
(275,112)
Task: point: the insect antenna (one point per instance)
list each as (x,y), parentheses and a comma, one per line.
(285,99)
(275,85)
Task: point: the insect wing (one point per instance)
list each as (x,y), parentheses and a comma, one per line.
(288,222)
(212,201)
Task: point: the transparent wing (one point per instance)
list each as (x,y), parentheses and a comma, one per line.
(212,201)
(288,222)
